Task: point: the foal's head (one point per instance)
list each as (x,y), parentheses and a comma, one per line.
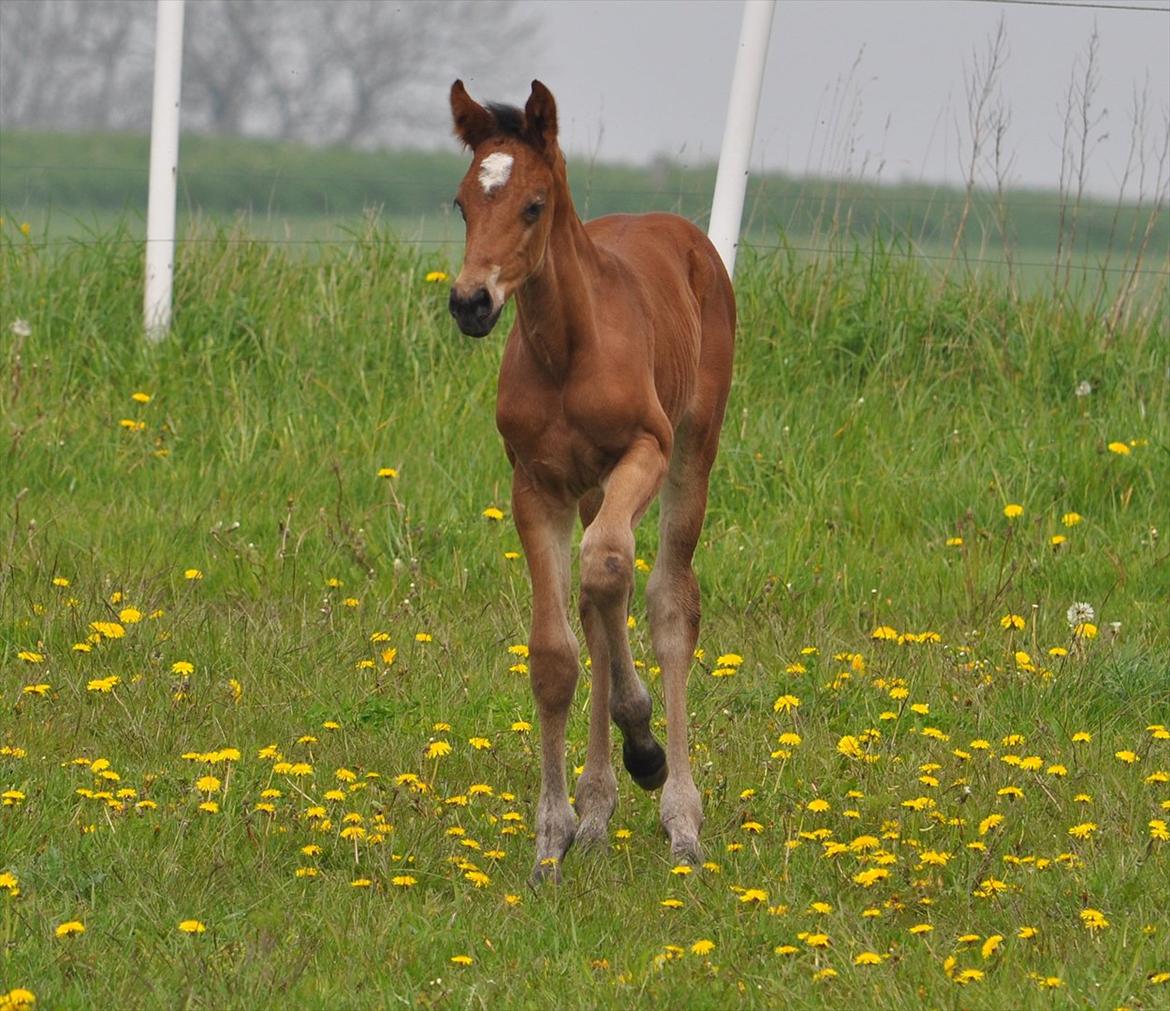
(506,198)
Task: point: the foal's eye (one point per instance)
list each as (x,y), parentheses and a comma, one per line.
(532,211)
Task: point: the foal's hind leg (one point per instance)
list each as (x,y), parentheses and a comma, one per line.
(672,597)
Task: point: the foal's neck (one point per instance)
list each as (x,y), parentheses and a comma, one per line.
(555,304)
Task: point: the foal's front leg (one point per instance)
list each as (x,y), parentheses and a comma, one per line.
(607,577)
(545,526)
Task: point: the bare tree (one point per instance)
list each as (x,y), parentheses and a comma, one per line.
(357,72)
(360,72)
(74,65)
(227,49)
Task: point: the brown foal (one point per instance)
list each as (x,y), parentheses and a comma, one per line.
(612,390)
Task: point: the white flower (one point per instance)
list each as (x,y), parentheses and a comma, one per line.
(1084,388)
(1080,614)
(21,328)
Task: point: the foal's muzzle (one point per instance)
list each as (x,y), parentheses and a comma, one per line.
(475,314)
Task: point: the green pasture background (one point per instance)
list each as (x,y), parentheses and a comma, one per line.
(882,405)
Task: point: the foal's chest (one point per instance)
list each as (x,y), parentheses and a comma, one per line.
(558,450)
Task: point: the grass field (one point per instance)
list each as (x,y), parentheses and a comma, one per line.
(267,739)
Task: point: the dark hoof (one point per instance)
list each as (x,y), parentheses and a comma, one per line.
(646,765)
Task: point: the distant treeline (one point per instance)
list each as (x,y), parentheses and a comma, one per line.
(225,176)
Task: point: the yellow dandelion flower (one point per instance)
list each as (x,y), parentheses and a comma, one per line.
(462,960)
(785,703)
(1013,510)
(69,928)
(192,574)
(867,958)
(671,903)
(19,998)
(850,747)
(785,949)
(870,876)
(192,927)
(108,629)
(492,513)
(1120,448)
(991,945)
(104,685)
(1093,919)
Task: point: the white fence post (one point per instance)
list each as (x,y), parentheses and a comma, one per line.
(164,168)
(739,132)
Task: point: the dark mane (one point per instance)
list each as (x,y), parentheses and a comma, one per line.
(509,120)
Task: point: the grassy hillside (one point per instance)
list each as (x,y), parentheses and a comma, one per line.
(292,186)
(267,738)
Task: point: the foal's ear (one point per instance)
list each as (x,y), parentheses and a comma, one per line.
(473,123)
(540,118)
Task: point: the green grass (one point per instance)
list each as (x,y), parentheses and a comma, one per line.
(877,412)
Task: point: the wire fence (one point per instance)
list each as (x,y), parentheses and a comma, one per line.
(812,217)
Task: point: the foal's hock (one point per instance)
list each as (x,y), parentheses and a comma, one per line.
(612,390)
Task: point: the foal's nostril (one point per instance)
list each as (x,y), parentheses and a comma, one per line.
(477,305)
(481,303)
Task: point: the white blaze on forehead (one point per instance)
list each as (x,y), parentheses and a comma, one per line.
(494,171)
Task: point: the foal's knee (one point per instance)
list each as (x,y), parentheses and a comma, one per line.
(607,567)
(552,665)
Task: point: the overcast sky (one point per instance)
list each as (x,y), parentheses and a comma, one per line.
(636,78)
